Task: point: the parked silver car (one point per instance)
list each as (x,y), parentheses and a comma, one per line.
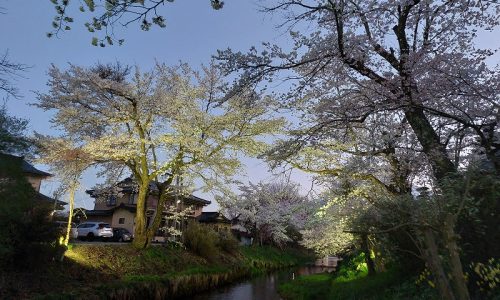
(91,230)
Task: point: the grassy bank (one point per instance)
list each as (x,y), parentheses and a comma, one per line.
(121,272)
(352,282)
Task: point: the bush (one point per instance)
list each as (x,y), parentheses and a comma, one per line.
(227,242)
(352,267)
(201,240)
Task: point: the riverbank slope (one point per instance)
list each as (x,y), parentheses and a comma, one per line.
(122,272)
(351,281)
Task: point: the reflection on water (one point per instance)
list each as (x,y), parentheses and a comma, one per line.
(313,270)
(259,288)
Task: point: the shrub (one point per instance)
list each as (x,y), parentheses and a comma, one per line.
(227,242)
(201,240)
(352,267)
(488,276)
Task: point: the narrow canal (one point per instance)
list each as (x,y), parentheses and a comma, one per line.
(264,287)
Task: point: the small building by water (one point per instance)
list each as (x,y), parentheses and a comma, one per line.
(327,261)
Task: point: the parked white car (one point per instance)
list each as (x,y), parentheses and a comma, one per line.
(62,225)
(91,230)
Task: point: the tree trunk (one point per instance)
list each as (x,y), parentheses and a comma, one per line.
(368,258)
(442,167)
(155,225)
(494,156)
(70,214)
(431,145)
(459,283)
(141,240)
(435,265)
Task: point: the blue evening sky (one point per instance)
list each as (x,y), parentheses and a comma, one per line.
(194,32)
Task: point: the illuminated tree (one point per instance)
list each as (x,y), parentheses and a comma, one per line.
(68,161)
(161,125)
(338,208)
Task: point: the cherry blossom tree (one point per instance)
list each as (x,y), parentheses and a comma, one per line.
(174,221)
(348,210)
(68,161)
(412,63)
(161,125)
(269,210)
(325,231)
(400,85)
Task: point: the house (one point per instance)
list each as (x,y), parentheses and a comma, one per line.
(117,205)
(242,234)
(217,221)
(35,177)
(327,261)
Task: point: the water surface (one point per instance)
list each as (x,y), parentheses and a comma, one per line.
(259,288)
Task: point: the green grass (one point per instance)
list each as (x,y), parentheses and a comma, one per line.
(261,259)
(351,281)
(382,286)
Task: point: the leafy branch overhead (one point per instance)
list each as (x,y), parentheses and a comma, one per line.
(105,15)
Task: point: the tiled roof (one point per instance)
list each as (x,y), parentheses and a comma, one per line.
(42,197)
(109,212)
(212,217)
(128,185)
(193,198)
(26,167)
(29,168)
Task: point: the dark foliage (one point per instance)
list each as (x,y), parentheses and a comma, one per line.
(27,237)
(114,72)
(12,139)
(479,226)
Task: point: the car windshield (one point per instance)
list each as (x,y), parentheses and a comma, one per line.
(64,224)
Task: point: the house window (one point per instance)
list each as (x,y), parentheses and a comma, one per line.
(121,221)
(111,201)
